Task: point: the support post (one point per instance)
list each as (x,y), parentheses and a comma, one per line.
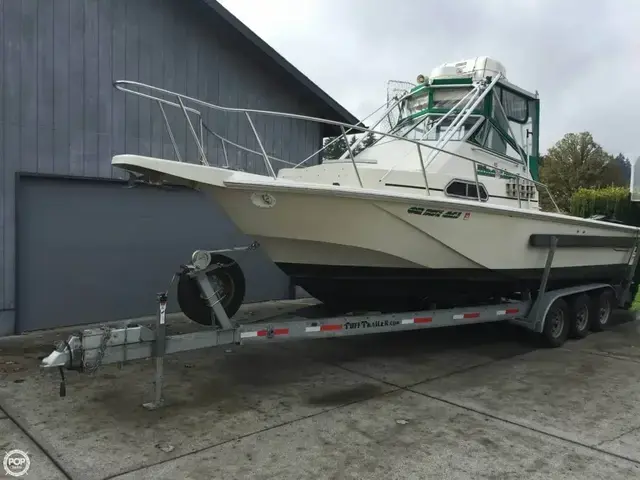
(549,262)
(535,310)
(170,132)
(623,289)
(267,162)
(635,254)
(203,156)
(353,160)
(424,171)
(224,151)
(212,298)
(201,124)
(475,176)
(160,347)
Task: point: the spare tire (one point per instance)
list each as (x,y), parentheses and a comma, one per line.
(228,280)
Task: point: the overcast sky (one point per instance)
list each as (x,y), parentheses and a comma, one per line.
(583,56)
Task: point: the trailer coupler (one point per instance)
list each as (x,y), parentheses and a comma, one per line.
(66,355)
(86,351)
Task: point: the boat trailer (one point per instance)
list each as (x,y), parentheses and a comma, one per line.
(552,314)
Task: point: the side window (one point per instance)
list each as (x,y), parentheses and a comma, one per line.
(458,189)
(467,190)
(487,136)
(472,191)
(515,106)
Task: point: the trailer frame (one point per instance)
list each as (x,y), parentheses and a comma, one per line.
(87,350)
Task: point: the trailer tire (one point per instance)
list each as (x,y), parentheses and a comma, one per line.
(193,304)
(556,324)
(602,307)
(581,313)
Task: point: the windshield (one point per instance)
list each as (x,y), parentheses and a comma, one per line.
(443,99)
(431,127)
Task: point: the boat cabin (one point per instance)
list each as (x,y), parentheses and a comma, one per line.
(505,123)
(464,131)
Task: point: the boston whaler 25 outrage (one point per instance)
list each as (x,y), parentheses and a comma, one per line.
(444,207)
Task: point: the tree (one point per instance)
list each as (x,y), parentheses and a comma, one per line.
(369,139)
(576,161)
(620,170)
(336,149)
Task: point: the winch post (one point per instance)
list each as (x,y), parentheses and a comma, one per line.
(159,351)
(217,310)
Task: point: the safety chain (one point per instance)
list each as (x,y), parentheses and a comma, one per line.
(106,335)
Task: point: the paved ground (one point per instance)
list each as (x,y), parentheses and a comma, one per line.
(479,402)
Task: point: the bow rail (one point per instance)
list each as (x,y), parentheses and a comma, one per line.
(180,101)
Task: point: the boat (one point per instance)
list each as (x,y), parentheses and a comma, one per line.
(443,207)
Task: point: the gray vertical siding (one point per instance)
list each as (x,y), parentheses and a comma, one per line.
(59,113)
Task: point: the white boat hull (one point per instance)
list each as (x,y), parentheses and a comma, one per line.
(336,245)
(367,244)
(329,230)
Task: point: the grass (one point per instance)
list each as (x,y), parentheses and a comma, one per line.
(635,306)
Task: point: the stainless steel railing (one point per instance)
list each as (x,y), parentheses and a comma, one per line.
(179,100)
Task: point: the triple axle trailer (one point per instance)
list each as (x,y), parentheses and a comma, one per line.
(554,315)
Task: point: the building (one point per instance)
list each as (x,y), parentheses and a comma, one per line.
(77,244)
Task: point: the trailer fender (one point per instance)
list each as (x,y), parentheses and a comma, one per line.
(540,309)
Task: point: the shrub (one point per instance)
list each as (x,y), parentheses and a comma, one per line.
(614,202)
(610,201)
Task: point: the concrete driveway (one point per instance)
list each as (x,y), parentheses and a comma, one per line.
(477,402)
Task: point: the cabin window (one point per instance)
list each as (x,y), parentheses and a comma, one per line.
(472,191)
(507,132)
(417,103)
(432,129)
(447,98)
(515,106)
(488,136)
(497,142)
(464,189)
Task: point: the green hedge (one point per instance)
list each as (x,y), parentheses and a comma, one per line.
(610,201)
(614,202)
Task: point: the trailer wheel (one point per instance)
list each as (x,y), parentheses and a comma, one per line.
(229,279)
(556,324)
(580,316)
(602,307)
